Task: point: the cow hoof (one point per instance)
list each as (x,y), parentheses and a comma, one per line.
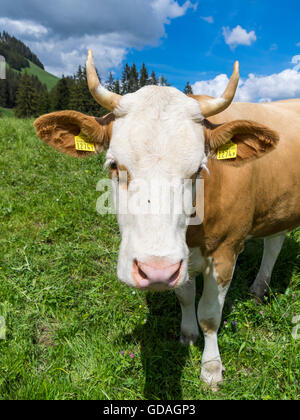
(212,373)
(188,339)
(257,294)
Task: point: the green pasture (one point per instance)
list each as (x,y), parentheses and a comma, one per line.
(73,331)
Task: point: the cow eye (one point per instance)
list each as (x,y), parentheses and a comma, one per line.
(113,165)
(199,170)
(110,164)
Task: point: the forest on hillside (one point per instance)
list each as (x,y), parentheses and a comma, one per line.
(16,53)
(30,98)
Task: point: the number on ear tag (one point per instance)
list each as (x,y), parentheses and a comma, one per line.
(83,145)
(228,151)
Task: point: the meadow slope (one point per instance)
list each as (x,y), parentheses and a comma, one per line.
(69,320)
(44,77)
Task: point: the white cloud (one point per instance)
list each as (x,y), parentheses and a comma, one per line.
(283,85)
(238,36)
(23,27)
(208,19)
(296,61)
(170,9)
(111,28)
(298,44)
(64,56)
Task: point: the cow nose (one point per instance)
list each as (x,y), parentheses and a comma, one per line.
(156,273)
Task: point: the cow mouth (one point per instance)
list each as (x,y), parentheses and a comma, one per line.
(143,281)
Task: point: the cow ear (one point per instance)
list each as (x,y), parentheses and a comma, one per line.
(74,133)
(245,140)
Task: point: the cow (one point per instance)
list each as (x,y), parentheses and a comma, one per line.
(159,133)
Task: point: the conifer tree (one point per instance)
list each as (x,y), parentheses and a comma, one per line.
(188,89)
(44,103)
(133,79)
(81,99)
(3,93)
(144,76)
(110,83)
(153,79)
(78,92)
(62,93)
(27,98)
(163,81)
(117,87)
(125,79)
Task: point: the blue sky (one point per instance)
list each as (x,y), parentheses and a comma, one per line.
(194,40)
(193,45)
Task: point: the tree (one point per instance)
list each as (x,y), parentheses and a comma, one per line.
(117,87)
(16,53)
(188,89)
(110,83)
(62,95)
(80,98)
(133,79)
(163,81)
(78,92)
(44,103)
(144,76)
(153,79)
(27,98)
(3,93)
(10,87)
(125,79)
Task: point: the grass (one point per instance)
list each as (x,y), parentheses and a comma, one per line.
(68,317)
(47,78)
(5,112)
(44,77)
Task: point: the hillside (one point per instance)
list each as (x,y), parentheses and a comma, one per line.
(16,53)
(20,58)
(23,69)
(44,77)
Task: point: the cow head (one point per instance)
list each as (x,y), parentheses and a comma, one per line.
(156,135)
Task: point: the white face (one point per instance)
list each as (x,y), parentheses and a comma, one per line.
(157,139)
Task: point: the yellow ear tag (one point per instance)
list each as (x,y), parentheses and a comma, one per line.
(228,151)
(83,145)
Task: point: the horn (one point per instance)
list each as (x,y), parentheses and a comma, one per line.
(212,106)
(104,97)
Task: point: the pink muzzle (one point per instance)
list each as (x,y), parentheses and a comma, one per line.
(157,274)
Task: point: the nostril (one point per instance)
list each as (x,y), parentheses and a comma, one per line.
(158,271)
(139,270)
(175,275)
(141,273)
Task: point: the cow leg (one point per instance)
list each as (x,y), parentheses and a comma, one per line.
(272,247)
(217,278)
(189,326)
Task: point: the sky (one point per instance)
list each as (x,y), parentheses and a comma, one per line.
(184,40)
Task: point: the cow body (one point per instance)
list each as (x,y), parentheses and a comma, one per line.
(158,133)
(259,199)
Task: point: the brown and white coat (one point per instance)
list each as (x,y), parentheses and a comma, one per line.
(160,133)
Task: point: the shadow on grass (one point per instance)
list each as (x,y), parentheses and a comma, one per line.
(249,262)
(162,355)
(248,266)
